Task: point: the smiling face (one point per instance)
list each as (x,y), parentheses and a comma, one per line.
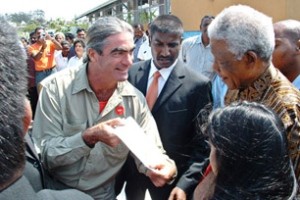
(79,49)
(165,49)
(81,34)
(235,73)
(115,60)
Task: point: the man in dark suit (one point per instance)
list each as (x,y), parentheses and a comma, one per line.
(180,111)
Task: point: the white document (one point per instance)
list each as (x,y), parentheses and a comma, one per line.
(141,145)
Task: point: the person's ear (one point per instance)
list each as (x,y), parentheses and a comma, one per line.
(298,46)
(251,57)
(92,54)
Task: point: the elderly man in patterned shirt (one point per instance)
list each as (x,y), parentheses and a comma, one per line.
(242,41)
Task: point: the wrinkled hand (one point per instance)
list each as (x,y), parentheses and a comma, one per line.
(206,188)
(161,174)
(103,132)
(107,134)
(177,194)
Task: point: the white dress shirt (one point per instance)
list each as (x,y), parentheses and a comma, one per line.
(164,72)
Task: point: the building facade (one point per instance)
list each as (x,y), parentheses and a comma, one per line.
(189,11)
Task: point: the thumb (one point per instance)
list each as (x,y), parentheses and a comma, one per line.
(172,196)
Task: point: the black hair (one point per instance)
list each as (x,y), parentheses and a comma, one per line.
(80,30)
(13,83)
(206,17)
(251,153)
(138,25)
(167,24)
(71,36)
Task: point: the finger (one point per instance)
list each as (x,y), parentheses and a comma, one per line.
(115,122)
(172,196)
(160,182)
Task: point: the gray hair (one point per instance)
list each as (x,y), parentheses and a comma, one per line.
(102,29)
(244,29)
(60,34)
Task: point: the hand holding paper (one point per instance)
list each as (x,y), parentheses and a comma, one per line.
(160,170)
(142,146)
(162,174)
(103,132)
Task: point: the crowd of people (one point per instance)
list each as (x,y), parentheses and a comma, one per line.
(222,109)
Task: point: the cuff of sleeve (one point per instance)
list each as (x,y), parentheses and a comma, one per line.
(77,141)
(173,179)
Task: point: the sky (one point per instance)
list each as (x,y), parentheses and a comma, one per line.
(65,9)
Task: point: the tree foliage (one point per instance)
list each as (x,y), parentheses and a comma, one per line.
(27,22)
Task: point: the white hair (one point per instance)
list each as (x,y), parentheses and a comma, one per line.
(244,29)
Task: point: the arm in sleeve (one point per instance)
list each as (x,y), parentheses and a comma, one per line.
(57,148)
(182,53)
(56,45)
(199,159)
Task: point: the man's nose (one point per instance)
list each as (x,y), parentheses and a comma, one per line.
(128,59)
(165,51)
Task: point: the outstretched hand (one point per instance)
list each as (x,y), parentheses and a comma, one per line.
(177,194)
(162,173)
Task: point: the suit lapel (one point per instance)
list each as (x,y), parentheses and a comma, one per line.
(173,83)
(31,152)
(142,77)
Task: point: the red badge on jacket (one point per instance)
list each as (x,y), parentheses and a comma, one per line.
(120,110)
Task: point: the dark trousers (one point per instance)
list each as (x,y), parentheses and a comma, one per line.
(135,188)
(33,98)
(137,183)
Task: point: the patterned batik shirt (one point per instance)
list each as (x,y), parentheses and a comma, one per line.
(275,91)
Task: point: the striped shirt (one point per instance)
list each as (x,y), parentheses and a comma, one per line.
(275,91)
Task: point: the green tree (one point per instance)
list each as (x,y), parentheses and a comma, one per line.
(27,22)
(20,17)
(38,16)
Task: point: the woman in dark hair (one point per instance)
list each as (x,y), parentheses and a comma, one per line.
(249,154)
(77,60)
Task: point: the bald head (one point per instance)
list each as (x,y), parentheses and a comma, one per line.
(286,55)
(289,29)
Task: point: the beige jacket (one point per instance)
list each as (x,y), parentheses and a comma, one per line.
(67,107)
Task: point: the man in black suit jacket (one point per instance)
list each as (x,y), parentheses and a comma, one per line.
(180,111)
